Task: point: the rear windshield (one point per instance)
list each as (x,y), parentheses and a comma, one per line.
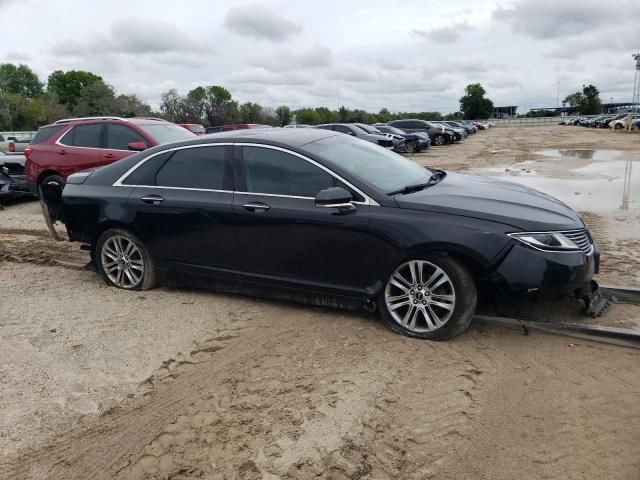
(45,133)
(197,128)
(166,132)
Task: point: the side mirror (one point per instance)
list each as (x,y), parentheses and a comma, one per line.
(351,133)
(137,146)
(335,197)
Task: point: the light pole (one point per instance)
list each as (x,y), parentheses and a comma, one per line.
(636,85)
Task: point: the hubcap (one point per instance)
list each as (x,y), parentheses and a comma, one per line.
(420,296)
(122,262)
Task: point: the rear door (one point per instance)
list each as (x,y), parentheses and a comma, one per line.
(183,210)
(118,137)
(78,149)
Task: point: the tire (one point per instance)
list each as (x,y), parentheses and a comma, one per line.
(54,178)
(405,310)
(618,126)
(410,147)
(123,261)
(439,140)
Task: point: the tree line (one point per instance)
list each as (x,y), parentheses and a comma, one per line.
(27,103)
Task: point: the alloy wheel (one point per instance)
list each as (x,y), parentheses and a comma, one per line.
(420,296)
(122,262)
(439,140)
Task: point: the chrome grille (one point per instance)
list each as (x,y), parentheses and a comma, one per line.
(581,238)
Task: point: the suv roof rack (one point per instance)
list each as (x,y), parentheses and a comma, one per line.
(151,118)
(80,119)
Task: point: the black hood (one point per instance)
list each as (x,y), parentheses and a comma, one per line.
(495,200)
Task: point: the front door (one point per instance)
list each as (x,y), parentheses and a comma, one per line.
(284,240)
(118,139)
(183,211)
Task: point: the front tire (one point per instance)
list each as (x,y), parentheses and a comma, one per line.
(410,147)
(431,297)
(439,140)
(123,260)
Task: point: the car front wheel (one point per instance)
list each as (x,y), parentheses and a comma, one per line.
(124,261)
(410,147)
(439,140)
(431,297)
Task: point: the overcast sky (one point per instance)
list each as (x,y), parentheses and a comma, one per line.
(408,56)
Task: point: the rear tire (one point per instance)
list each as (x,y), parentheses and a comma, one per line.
(618,126)
(430,297)
(123,261)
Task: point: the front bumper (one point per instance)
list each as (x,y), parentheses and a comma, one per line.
(12,186)
(547,274)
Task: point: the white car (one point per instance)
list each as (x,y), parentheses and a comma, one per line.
(620,123)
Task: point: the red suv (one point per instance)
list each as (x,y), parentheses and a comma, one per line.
(68,146)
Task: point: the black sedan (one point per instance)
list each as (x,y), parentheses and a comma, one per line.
(317,216)
(413,142)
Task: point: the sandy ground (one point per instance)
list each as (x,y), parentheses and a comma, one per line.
(100,383)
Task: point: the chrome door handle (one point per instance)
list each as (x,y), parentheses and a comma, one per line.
(152,199)
(256,207)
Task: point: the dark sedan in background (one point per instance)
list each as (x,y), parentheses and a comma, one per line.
(437,134)
(316,216)
(414,142)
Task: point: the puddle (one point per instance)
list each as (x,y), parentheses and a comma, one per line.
(586,154)
(597,187)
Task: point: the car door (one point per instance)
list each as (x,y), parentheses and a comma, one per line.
(182,208)
(118,137)
(78,149)
(284,240)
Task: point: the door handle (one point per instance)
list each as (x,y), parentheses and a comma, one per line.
(152,199)
(256,207)
(108,155)
(62,152)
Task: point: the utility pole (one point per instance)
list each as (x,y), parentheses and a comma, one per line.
(636,84)
(558,95)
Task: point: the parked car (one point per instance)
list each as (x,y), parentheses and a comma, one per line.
(12,182)
(74,144)
(619,124)
(470,129)
(414,142)
(355,131)
(316,216)
(239,126)
(194,127)
(437,134)
(399,144)
(459,133)
(13,144)
(297,125)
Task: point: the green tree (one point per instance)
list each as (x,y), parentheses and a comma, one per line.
(474,105)
(195,105)
(307,116)
(587,101)
(68,86)
(250,112)
(131,106)
(283,113)
(219,107)
(96,98)
(171,105)
(19,80)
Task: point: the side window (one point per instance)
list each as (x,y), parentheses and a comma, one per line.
(201,167)
(84,136)
(119,136)
(342,129)
(279,173)
(325,127)
(145,174)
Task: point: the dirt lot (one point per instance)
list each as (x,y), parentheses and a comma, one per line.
(101,383)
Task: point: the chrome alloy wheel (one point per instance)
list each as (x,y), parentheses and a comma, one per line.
(122,262)
(420,296)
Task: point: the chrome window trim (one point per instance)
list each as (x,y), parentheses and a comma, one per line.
(60,144)
(118,183)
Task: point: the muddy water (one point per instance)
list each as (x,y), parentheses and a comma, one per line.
(598,180)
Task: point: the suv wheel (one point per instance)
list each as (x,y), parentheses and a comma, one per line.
(431,297)
(123,260)
(439,140)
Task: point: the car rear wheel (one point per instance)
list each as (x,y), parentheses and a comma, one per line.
(410,147)
(123,260)
(431,297)
(439,140)
(618,126)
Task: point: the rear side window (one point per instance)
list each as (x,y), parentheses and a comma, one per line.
(145,174)
(45,133)
(202,167)
(342,129)
(120,136)
(279,173)
(84,136)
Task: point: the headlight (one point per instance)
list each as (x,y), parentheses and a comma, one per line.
(545,240)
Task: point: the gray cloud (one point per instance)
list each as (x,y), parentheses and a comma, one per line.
(287,60)
(134,37)
(547,19)
(265,77)
(445,34)
(259,22)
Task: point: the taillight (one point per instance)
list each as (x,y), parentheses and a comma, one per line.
(12,147)
(27,152)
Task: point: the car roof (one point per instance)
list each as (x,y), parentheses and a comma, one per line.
(292,137)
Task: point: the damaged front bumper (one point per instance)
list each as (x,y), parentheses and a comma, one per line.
(12,186)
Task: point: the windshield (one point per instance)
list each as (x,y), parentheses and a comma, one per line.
(166,132)
(197,128)
(367,128)
(395,130)
(377,166)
